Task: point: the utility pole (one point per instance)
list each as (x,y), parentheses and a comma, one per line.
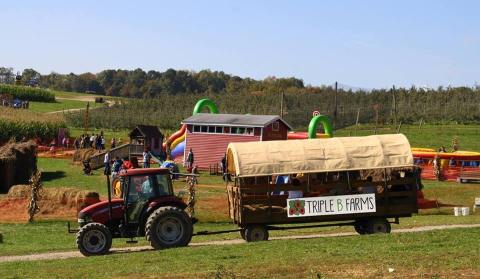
(394,107)
(356,122)
(85,120)
(335,109)
(281,104)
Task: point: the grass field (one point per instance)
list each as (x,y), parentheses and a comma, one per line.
(449,253)
(63,173)
(77,95)
(60,104)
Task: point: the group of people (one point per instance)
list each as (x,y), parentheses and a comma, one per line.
(115,166)
(95,141)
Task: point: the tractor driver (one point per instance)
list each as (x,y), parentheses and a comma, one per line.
(141,191)
(147,188)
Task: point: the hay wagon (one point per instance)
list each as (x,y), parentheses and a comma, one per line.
(366,182)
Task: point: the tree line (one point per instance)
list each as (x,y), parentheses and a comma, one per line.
(141,84)
(165,98)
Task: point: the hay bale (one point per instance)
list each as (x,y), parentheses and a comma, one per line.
(77,155)
(86,199)
(7,171)
(81,155)
(18,160)
(68,197)
(19,192)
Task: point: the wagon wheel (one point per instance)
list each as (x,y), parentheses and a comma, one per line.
(242,233)
(256,233)
(379,225)
(361,226)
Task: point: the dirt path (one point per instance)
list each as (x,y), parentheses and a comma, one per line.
(79,98)
(76,254)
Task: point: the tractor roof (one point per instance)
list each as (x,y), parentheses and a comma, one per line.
(132,172)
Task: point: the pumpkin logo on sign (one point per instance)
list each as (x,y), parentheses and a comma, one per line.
(297,207)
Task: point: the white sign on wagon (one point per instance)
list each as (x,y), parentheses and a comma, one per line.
(331,205)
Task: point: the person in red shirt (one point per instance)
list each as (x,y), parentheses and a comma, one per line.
(127,164)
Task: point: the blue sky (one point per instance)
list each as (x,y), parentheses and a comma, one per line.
(368,44)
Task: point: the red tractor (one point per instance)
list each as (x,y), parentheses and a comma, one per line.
(147,207)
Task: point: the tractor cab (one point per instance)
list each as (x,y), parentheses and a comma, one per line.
(139,189)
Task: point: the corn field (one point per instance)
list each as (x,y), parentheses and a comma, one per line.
(25,93)
(17,123)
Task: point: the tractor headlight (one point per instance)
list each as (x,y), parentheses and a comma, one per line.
(83,219)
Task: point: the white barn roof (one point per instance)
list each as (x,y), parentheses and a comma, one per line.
(319,155)
(243,120)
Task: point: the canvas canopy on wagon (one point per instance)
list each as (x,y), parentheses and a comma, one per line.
(264,158)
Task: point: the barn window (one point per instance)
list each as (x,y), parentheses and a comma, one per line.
(241,131)
(211,129)
(204,129)
(196,129)
(249,131)
(218,130)
(275,126)
(233,130)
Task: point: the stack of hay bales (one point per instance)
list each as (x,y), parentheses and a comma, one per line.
(55,198)
(18,161)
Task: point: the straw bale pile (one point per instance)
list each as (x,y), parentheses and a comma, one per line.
(55,198)
(81,155)
(18,161)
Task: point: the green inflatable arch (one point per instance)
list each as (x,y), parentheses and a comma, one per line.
(327,126)
(205,103)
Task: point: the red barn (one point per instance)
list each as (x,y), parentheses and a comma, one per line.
(208,135)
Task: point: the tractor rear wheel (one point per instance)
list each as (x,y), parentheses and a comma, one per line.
(168,227)
(256,233)
(94,239)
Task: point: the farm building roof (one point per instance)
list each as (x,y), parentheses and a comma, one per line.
(146,131)
(319,155)
(245,120)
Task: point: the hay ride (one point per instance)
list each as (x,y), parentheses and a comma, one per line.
(147,207)
(363,182)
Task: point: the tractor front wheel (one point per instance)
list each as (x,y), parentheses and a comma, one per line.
(168,227)
(94,239)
